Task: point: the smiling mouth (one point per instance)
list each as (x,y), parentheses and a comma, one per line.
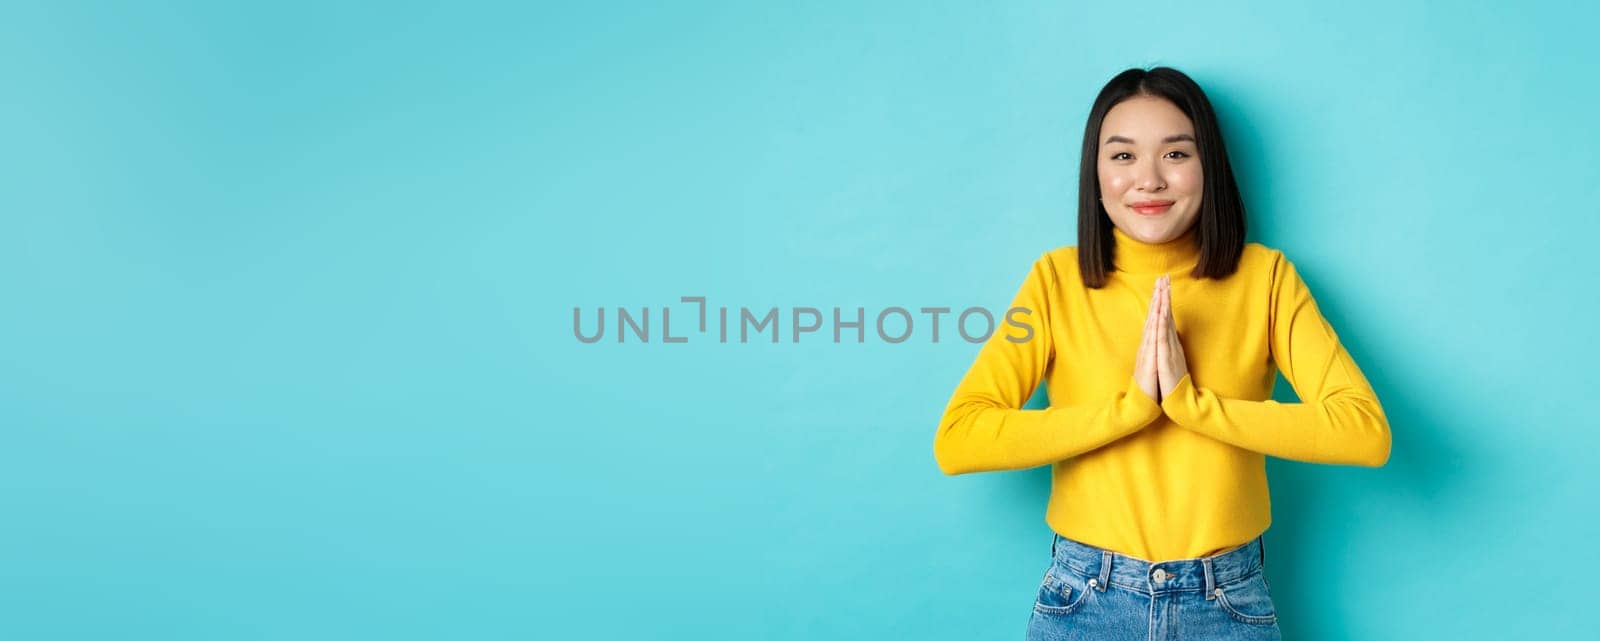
(1152,209)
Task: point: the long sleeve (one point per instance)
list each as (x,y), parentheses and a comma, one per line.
(1339,420)
(984,428)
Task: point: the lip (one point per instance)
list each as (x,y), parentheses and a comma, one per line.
(1151,207)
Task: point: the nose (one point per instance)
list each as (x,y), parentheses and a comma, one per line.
(1149,178)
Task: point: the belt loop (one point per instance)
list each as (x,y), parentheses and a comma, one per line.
(1105,569)
(1211,581)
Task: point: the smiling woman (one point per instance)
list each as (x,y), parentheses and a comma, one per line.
(1154,165)
(1150,128)
(1160,336)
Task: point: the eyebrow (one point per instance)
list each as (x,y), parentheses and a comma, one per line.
(1166,140)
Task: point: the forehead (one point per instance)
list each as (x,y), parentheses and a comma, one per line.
(1145,119)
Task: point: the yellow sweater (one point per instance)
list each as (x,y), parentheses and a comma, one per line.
(1185,477)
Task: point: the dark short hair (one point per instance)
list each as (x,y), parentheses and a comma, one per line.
(1220,225)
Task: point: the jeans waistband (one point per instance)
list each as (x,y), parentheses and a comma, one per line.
(1201,574)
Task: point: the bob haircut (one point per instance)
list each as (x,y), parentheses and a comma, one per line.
(1220,225)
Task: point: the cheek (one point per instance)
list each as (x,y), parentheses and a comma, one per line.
(1113,181)
(1186,179)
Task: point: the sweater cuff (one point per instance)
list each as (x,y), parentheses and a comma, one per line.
(1182,398)
(1138,407)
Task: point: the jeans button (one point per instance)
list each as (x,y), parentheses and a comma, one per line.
(1161,575)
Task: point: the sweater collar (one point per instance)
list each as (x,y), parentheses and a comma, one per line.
(1177,256)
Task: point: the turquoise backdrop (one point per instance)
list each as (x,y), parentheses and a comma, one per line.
(288,292)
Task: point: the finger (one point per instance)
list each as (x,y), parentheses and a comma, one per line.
(1172,322)
(1148,349)
(1161,329)
(1148,338)
(1150,318)
(1173,340)
(1154,333)
(1166,301)
(1166,293)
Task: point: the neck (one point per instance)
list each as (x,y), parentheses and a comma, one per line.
(1176,257)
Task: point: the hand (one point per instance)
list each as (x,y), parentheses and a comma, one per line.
(1171,365)
(1144,365)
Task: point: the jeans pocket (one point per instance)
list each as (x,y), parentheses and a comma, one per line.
(1061,592)
(1247,600)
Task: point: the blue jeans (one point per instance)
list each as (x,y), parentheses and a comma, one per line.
(1092,593)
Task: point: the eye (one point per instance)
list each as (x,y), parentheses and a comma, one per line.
(1177,154)
(1119,155)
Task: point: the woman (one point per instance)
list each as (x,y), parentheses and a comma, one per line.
(1159,336)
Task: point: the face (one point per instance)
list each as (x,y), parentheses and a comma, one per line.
(1150,174)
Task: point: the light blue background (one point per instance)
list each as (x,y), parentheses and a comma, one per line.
(288,295)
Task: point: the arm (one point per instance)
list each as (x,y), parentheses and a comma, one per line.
(1339,421)
(984,429)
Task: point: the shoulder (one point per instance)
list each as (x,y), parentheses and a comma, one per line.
(1265,262)
(1063,255)
(1062,263)
(1273,270)
(1257,257)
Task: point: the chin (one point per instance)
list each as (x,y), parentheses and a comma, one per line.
(1151,230)
(1157,230)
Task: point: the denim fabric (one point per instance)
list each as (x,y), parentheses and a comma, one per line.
(1092,593)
